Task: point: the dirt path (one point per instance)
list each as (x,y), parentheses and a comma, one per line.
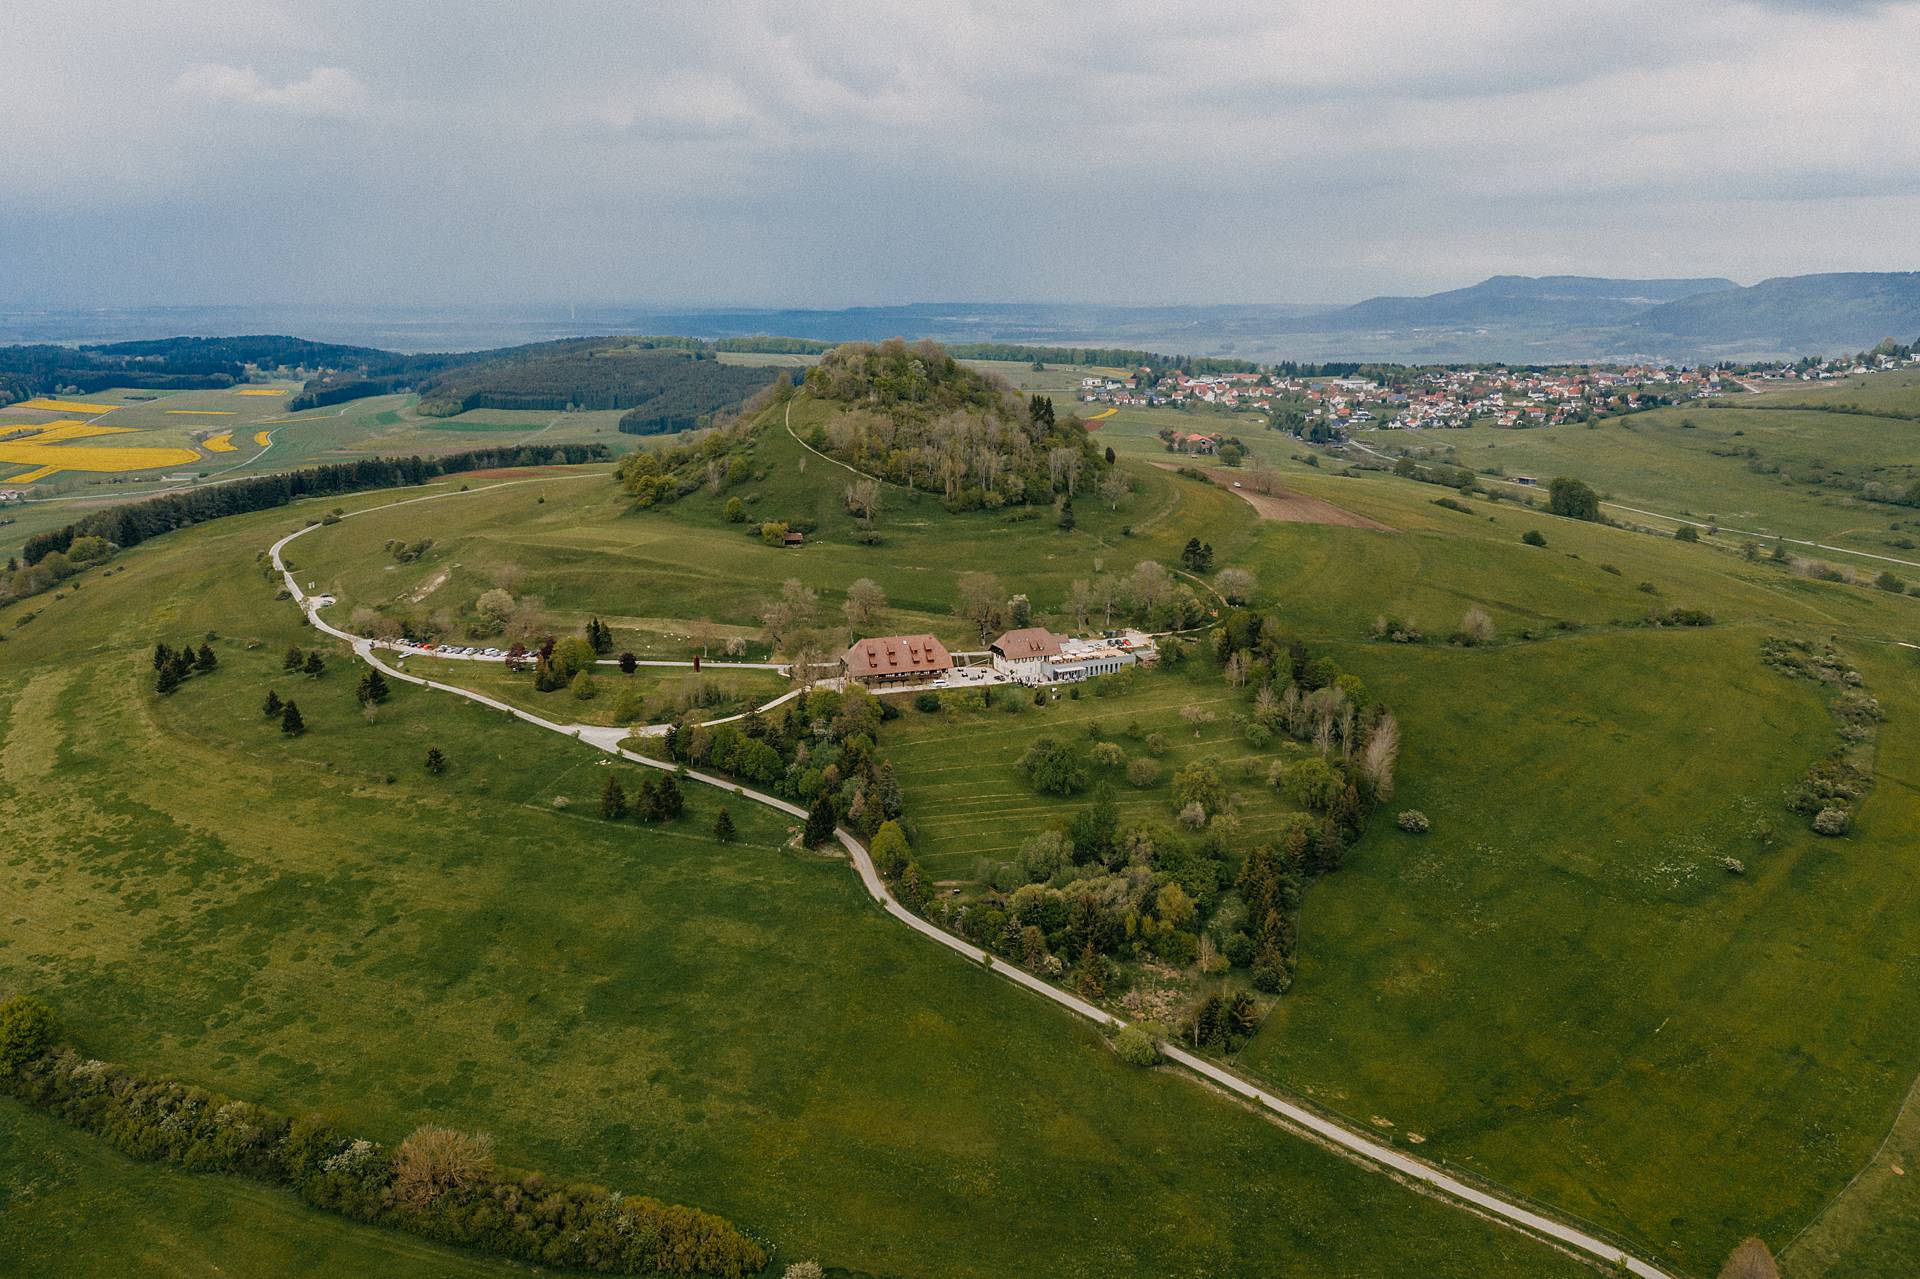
(1291,508)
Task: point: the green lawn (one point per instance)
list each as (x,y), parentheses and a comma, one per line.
(969,802)
(663,690)
(317,923)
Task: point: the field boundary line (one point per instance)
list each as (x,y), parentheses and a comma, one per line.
(1291,1111)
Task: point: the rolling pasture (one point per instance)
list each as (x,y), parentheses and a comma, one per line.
(318,923)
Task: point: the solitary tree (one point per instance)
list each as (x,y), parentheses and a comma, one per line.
(290,722)
(1573,499)
(613,800)
(865,599)
(723,828)
(436,762)
(981,601)
(372,689)
(271,707)
(629,663)
(315,666)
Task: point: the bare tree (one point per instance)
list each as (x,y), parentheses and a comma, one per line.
(789,614)
(863,500)
(1382,751)
(1150,586)
(1476,627)
(1236,584)
(1115,488)
(981,601)
(865,599)
(1080,602)
(1236,672)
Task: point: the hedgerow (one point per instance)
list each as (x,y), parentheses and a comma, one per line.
(438,1185)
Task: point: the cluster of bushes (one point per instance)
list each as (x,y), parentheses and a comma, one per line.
(131,523)
(931,423)
(716,461)
(1679,617)
(172,666)
(1829,790)
(437,1184)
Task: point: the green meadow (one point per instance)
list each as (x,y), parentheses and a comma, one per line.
(318,923)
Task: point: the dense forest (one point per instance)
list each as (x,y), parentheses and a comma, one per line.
(667,388)
(925,420)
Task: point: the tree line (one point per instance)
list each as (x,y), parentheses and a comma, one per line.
(134,522)
(438,1184)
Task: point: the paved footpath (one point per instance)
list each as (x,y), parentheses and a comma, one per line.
(1293,1112)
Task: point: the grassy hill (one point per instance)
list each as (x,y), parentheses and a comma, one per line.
(1560,988)
(320,924)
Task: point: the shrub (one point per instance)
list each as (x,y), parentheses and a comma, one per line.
(1143,772)
(1136,1047)
(1476,628)
(1414,822)
(804,1270)
(1686,533)
(27,1029)
(928,701)
(1534,537)
(1831,821)
(433,1162)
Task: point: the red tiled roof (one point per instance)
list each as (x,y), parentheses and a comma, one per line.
(897,655)
(1030,641)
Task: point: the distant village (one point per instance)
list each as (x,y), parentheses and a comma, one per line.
(1443,398)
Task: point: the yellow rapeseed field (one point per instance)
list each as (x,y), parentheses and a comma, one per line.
(263,438)
(49,450)
(264,390)
(221,443)
(64,406)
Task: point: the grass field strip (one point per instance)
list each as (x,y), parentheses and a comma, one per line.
(1291,1112)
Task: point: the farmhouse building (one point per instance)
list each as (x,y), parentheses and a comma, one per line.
(896,659)
(1023,654)
(1035,655)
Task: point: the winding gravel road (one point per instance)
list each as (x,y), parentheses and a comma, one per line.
(1292,1112)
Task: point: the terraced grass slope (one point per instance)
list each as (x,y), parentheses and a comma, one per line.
(318,923)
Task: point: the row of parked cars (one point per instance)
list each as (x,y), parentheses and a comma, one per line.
(440,650)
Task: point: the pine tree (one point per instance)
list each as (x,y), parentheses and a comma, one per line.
(161,656)
(723,829)
(1066,516)
(819,827)
(290,722)
(600,636)
(293,659)
(372,689)
(672,802)
(271,707)
(436,762)
(1090,978)
(613,800)
(315,666)
(167,680)
(206,661)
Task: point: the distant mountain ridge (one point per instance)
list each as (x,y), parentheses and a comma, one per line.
(1505,318)
(1509,299)
(1844,311)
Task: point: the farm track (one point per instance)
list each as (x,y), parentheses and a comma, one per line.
(1290,1112)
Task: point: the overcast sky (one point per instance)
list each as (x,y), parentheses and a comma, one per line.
(208,151)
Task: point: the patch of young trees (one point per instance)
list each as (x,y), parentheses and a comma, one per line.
(174,666)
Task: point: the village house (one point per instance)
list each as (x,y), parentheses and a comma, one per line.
(887,660)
